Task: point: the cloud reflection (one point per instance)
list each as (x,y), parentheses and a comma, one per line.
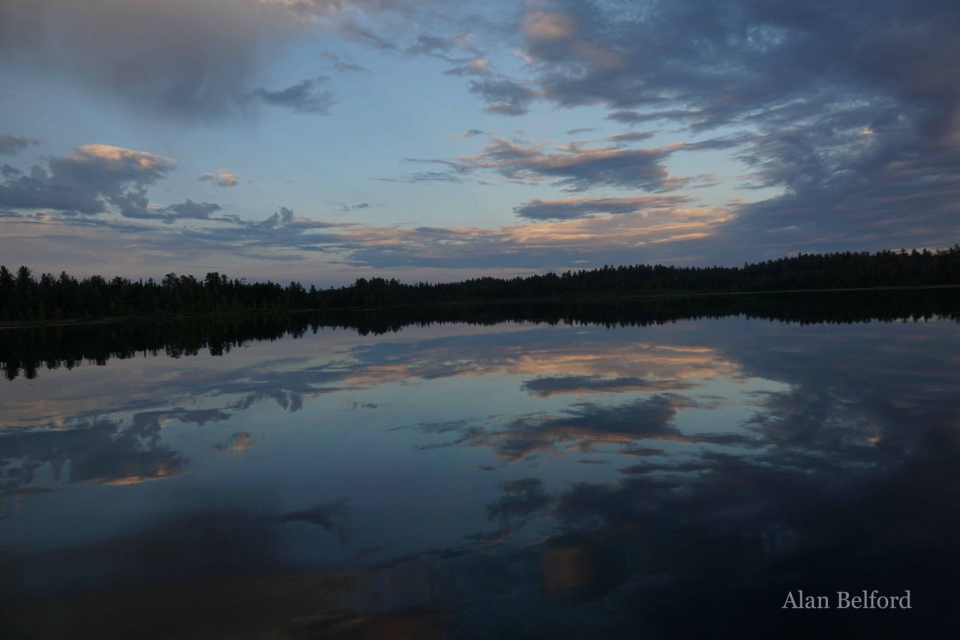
(734,458)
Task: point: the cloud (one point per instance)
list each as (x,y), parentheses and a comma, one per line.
(576,168)
(503,97)
(571,208)
(192,210)
(844,114)
(138,207)
(469,133)
(585,425)
(635,117)
(221,178)
(178,57)
(194,61)
(328,515)
(353,30)
(630,136)
(88,180)
(272,238)
(885,186)
(439,46)
(641,452)
(587,241)
(237,443)
(101,451)
(520,499)
(343,63)
(856,107)
(310,96)
(11,145)
(549,26)
(102,180)
(579,384)
(476,67)
(454,174)
(348,208)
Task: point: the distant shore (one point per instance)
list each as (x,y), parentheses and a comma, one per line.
(582,299)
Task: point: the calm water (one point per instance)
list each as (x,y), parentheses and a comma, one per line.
(468,481)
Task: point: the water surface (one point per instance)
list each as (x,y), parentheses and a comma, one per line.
(478,480)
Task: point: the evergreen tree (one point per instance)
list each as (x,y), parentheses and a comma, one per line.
(25,298)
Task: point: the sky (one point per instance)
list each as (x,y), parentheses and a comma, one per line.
(327,140)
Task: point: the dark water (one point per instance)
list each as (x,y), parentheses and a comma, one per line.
(597,473)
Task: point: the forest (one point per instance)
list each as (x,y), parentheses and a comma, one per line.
(24,297)
(28,350)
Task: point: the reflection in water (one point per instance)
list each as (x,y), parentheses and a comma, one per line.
(29,349)
(487,480)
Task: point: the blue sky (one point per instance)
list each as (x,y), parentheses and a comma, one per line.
(323,140)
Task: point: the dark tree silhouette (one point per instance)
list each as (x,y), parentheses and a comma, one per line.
(23,298)
(24,351)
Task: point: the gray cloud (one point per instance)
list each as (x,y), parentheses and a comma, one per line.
(101,179)
(634,117)
(581,208)
(87,180)
(343,64)
(586,242)
(577,384)
(10,145)
(475,67)
(583,426)
(265,239)
(857,106)
(328,516)
(469,133)
(587,424)
(641,452)
(221,178)
(192,210)
(850,111)
(455,172)
(521,498)
(630,136)
(503,97)
(348,208)
(310,96)
(353,30)
(101,451)
(237,443)
(578,167)
(178,58)
(439,46)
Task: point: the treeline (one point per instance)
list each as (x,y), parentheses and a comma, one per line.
(24,297)
(27,350)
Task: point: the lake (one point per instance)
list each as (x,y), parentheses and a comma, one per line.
(572,475)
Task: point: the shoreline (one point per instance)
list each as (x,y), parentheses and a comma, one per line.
(599,298)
